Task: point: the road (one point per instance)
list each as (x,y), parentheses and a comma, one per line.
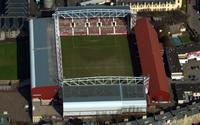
(193,19)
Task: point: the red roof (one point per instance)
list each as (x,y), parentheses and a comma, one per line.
(151,60)
(45,93)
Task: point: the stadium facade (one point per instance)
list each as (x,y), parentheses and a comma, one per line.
(81,96)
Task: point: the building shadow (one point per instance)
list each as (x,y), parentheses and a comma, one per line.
(136,67)
(57,103)
(166,65)
(23,64)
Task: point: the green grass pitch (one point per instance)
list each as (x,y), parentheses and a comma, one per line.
(8,60)
(86,56)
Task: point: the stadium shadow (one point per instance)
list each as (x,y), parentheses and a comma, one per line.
(23,56)
(134,55)
(23,64)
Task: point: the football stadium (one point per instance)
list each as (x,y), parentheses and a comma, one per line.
(84,54)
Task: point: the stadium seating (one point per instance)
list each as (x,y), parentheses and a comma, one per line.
(121,26)
(93,31)
(107,27)
(65,31)
(120,21)
(93,21)
(107,30)
(93,26)
(65,27)
(79,27)
(107,21)
(120,30)
(65,22)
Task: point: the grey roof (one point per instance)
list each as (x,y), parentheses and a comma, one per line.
(103,93)
(172,55)
(16,8)
(179,113)
(146,121)
(170,115)
(188,48)
(142,1)
(189,113)
(132,123)
(44,51)
(164,116)
(191,70)
(181,87)
(193,107)
(172,60)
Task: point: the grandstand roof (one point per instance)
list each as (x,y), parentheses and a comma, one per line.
(42,49)
(91,7)
(103,99)
(151,60)
(103,92)
(94,11)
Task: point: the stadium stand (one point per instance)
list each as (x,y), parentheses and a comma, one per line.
(107,27)
(93,26)
(151,61)
(65,22)
(79,27)
(65,27)
(121,26)
(93,30)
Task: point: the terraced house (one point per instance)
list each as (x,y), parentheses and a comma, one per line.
(151,5)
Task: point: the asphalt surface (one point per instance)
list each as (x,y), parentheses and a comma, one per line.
(13,103)
(194,18)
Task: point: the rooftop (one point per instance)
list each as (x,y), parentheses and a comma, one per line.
(191,70)
(91,7)
(115,92)
(172,55)
(188,48)
(173,61)
(43,55)
(151,60)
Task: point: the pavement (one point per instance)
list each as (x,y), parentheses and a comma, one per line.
(13,103)
(193,19)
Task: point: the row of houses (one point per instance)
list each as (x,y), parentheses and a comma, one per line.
(10,27)
(151,5)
